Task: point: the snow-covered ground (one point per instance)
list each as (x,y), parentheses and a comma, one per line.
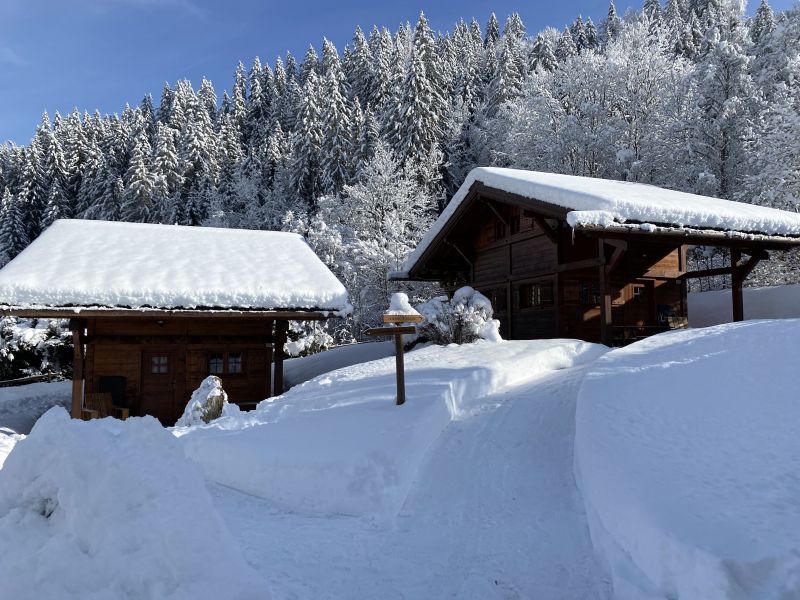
(686,454)
(113,509)
(714,308)
(338,444)
(299,370)
(683,447)
(20,406)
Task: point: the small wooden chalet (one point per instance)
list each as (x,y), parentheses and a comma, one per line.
(603,261)
(154,309)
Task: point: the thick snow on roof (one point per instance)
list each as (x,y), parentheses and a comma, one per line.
(100,263)
(601,202)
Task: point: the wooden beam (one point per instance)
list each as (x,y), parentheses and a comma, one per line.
(390,330)
(748,267)
(616,257)
(281,329)
(736,286)
(707,273)
(77,370)
(587,263)
(543,225)
(606,321)
(491,205)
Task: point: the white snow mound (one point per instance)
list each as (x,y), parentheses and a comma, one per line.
(112,509)
(338,444)
(686,453)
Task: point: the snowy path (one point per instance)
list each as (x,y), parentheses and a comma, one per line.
(516,528)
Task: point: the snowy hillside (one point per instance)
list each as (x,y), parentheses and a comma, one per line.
(686,453)
(714,308)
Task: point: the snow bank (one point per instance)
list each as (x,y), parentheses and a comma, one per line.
(300,370)
(112,509)
(339,445)
(21,405)
(714,308)
(8,439)
(603,202)
(686,452)
(88,263)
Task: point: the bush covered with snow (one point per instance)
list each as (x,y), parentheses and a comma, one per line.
(113,509)
(34,346)
(686,452)
(208,402)
(22,405)
(462,319)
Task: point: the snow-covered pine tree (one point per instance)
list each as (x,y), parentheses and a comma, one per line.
(336,126)
(138,199)
(307,142)
(13,237)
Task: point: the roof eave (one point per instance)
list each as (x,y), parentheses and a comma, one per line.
(688,235)
(76,312)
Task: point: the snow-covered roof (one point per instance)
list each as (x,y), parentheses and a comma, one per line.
(77,263)
(602,203)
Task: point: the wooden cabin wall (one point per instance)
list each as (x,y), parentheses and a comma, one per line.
(127,347)
(537,293)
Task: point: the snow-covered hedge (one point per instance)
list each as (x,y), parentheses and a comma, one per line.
(686,453)
(462,319)
(113,509)
(34,346)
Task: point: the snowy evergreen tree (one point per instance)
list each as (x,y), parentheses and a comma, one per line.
(138,203)
(13,237)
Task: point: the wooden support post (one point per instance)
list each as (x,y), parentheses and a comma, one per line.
(736,285)
(400,367)
(605,297)
(281,328)
(77,370)
(397,331)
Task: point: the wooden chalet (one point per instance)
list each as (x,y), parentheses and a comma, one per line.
(598,260)
(154,309)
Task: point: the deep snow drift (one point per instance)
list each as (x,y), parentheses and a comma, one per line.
(686,454)
(714,308)
(20,406)
(339,445)
(112,509)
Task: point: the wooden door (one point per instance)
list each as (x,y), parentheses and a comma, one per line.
(159,370)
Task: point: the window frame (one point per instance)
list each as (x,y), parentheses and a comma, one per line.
(225,358)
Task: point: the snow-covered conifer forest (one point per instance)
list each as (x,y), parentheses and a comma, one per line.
(360,149)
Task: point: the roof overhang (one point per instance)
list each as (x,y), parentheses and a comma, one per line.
(652,233)
(83,312)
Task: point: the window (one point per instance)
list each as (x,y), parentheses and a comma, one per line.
(497,297)
(216,363)
(499,230)
(536,295)
(159,364)
(589,293)
(225,363)
(638,291)
(515,221)
(234,363)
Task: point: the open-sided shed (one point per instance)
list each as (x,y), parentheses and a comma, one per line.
(154,309)
(566,256)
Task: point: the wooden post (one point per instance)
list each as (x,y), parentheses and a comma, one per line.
(281,328)
(77,370)
(397,330)
(401,374)
(605,297)
(736,285)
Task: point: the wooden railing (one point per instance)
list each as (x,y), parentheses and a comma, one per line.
(27,380)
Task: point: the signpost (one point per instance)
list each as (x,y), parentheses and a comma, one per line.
(397,330)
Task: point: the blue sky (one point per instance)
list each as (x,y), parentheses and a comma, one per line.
(100,54)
